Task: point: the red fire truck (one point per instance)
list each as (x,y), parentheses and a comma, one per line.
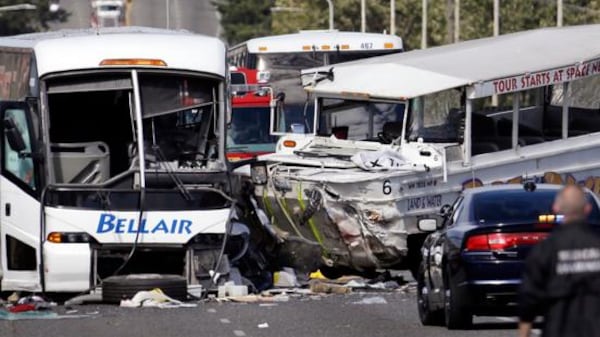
(252,101)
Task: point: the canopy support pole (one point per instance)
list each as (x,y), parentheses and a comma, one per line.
(565,111)
(467,137)
(515,119)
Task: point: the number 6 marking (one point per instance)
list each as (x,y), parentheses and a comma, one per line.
(387,187)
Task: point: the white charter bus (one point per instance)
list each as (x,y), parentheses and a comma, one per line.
(280,58)
(429,129)
(113,159)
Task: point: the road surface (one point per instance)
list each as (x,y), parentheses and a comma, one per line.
(81,13)
(198,16)
(332,316)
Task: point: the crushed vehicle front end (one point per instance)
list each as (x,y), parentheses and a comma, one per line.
(347,196)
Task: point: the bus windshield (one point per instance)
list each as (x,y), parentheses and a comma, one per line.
(249,131)
(285,68)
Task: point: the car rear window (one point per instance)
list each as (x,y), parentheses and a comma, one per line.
(519,206)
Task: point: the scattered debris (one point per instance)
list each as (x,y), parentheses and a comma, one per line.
(229,289)
(371,300)
(285,278)
(267,305)
(31,307)
(11,316)
(154,298)
(318,286)
(13,298)
(263,325)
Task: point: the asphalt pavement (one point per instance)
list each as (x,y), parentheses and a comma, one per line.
(81,14)
(330,315)
(198,16)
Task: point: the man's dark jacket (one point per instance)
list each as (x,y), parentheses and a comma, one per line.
(561,282)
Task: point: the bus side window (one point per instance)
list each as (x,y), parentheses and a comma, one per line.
(14,162)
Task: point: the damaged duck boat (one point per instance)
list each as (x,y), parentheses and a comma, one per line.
(395,138)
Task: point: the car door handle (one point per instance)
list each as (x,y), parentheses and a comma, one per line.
(7,209)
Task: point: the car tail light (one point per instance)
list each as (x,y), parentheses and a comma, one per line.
(502,241)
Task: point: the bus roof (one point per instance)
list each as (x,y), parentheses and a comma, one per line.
(67,50)
(497,65)
(305,41)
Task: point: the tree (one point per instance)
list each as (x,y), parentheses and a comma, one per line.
(27,21)
(245,19)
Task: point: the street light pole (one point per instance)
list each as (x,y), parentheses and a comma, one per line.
(424,25)
(393,17)
(167,4)
(330,3)
(456,20)
(363,16)
(496,17)
(559,13)
(496,33)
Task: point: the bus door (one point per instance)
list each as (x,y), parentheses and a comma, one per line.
(19,205)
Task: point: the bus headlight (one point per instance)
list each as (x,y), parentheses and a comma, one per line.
(69,237)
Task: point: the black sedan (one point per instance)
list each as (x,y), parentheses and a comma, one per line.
(473,260)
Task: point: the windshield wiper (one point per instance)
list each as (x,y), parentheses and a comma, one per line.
(178,183)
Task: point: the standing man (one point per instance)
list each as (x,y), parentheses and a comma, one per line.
(562,274)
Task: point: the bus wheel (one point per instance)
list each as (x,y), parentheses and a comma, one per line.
(117,288)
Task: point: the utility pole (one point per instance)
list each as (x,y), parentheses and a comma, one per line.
(168,14)
(393,17)
(363,16)
(424,25)
(330,2)
(456,20)
(496,33)
(496,17)
(559,13)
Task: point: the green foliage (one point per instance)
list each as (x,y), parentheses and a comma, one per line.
(244,19)
(27,21)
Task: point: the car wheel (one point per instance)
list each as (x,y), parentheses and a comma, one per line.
(117,288)
(456,315)
(426,315)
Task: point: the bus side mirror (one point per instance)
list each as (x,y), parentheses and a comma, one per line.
(445,211)
(14,137)
(427,225)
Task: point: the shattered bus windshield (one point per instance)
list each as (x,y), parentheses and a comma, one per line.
(178,113)
(163,94)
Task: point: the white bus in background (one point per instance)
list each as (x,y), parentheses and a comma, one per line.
(280,58)
(113,160)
